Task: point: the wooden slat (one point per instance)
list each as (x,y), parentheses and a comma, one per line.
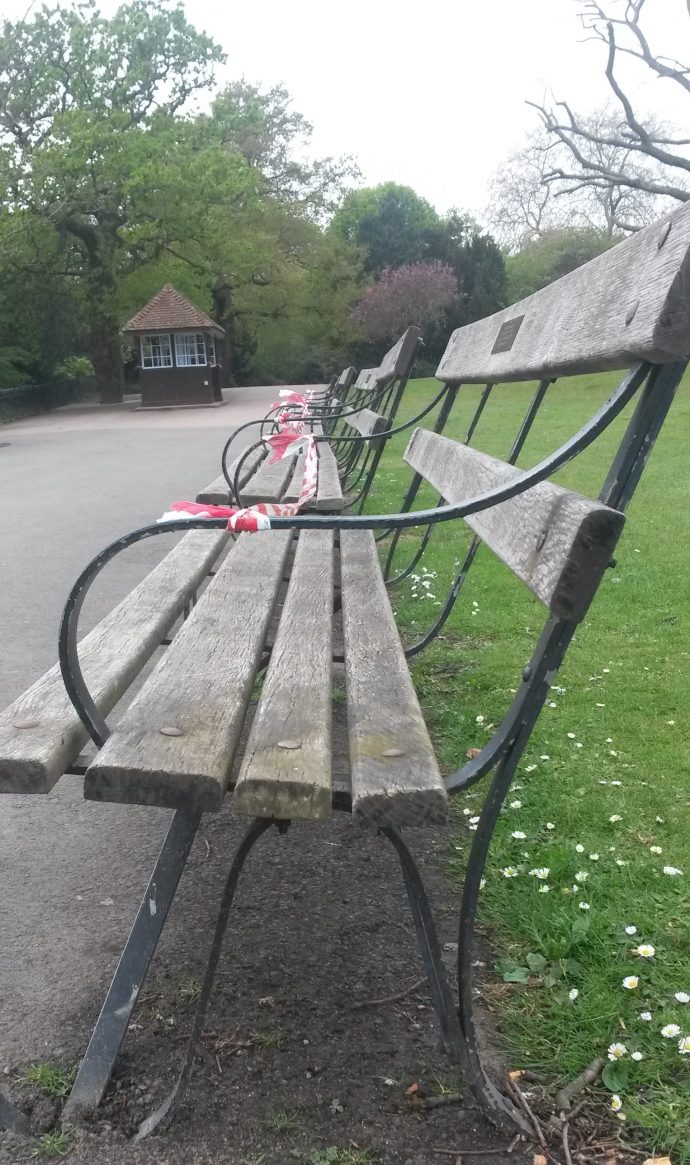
(346,378)
(631,303)
(112,655)
(218,492)
(269,482)
(367,423)
(200,687)
(329,493)
(294,487)
(382,708)
(398,360)
(558,542)
(366,379)
(295,703)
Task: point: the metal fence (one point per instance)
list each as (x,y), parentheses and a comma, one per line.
(28,399)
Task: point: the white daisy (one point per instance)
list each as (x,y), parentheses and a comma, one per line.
(682,997)
(544,889)
(541,872)
(631,930)
(585,906)
(630,982)
(516,804)
(616,1102)
(684,1045)
(581,876)
(646,1016)
(573,994)
(615,817)
(518,835)
(655,849)
(645,950)
(617,1051)
(550,825)
(670,1031)
(580,849)
(509,872)
(637,1056)
(673,871)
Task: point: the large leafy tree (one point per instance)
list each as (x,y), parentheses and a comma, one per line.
(389,223)
(86,118)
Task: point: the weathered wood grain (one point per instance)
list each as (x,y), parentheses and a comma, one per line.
(112,655)
(294,486)
(295,703)
(558,542)
(329,493)
(366,379)
(367,423)
(398,360)
(201,688)
(346,378)
(631,303)
(405,787)
(218,492)
(269,482)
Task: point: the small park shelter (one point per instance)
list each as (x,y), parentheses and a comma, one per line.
(177,351)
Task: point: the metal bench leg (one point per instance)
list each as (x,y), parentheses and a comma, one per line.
(101,1054)
(12,1119)
(165,1110)
(454,1038)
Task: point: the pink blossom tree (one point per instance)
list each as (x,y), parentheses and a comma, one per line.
(418,293)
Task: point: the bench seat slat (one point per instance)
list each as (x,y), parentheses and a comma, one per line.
(556,541)
(295,703)
(201,686)
(112,654)
(329,494)
(382,708)
(218,492)
(294,486)
(269,482)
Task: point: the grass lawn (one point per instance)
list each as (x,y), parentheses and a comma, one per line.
(602,797)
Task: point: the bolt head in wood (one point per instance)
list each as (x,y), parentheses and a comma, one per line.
(665,232)
(27,723)
(170,730)
(393,752)
(289,744)
(632,311)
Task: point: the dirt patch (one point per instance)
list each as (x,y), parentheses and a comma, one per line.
(291,1067)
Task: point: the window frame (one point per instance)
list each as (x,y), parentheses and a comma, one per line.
(159,358)
(190,350)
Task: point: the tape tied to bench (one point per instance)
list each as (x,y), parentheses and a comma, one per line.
(253,518)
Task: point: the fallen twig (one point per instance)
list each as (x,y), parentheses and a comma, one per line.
(388,998)
(588,1076)
(517,1092)
(472,1152)
(566,1146)
(445,1098)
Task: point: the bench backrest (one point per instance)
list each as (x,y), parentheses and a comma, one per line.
(557,542)
(630,304)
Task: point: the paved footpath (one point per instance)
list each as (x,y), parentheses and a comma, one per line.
(72,872)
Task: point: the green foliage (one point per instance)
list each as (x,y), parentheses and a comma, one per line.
(55,1144)
(51,1080)
(604,809)
(554,254)
(389,222)
(14,365)
(74,367)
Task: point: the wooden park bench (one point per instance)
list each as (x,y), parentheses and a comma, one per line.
(175,743)
(350,423)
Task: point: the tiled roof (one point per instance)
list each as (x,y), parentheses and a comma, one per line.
(169,309)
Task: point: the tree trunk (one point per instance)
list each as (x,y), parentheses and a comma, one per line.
(224,314)
(106,358)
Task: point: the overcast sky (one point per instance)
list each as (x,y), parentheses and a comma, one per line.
(430,93)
